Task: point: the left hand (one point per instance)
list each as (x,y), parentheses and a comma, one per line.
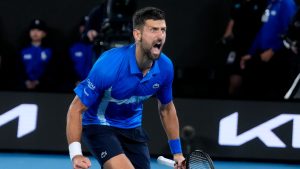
(180,161)
(31,84)
(267,55)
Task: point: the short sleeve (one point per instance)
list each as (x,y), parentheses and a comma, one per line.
(98,80)
(87,92)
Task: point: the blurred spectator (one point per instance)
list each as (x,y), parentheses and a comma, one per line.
(266,63)
(291,41)
(36,56)
(109,24)
(240,32)
(81,54)
(292,37)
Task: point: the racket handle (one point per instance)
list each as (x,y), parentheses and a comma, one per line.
(165,161)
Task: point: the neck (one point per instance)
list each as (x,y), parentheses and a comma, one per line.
(36,43)
(142,60)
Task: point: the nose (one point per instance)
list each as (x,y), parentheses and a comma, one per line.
(161,34)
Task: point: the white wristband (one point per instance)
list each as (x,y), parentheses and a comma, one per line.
(74,149)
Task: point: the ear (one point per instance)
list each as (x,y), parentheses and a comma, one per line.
(137,35)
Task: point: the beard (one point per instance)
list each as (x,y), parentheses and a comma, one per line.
(147,51)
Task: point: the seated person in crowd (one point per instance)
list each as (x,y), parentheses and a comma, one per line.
(36,56)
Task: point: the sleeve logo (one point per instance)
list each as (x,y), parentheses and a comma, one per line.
(90,84)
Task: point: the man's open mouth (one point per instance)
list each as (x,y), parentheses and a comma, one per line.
(157,45)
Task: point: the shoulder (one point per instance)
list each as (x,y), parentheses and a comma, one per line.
(111,60)
(166,67)
(26,49)
(292,2)
(165,62)
(288,7)
(287,3)
(106,69)
(45,50)
(114,55)
(77,44)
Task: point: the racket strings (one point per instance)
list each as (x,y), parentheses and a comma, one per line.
(198,160)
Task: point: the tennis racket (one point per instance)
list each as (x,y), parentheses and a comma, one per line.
(196,160)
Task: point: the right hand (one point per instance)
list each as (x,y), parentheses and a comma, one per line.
(243,61)
(180,161)
(91,34)
(267,55)
(81,162)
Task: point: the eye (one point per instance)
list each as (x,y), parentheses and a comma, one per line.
(153,30)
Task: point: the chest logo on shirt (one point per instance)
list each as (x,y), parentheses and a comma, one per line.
(273,12)
(103,154)
(78,54)
(155,86)
(27,56)
(44,56)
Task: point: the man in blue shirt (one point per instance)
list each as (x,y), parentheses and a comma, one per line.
(107,109)
(267,49)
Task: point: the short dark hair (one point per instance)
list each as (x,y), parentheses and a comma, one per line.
(146,13)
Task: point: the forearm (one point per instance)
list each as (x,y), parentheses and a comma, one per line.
(228,31)
(74,127)
(74,124)
(169,121)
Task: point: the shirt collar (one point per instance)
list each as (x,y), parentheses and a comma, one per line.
(134,69)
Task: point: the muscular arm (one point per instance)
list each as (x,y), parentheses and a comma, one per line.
(74,126)
(169,119)
(74,129)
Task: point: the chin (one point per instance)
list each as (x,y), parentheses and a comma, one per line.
(155,56)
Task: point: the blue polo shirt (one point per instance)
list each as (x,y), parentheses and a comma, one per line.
(35,60)
(115,88)
(276,20)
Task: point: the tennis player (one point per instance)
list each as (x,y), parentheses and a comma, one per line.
(107,109)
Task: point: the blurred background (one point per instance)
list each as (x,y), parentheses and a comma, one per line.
(235,113)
